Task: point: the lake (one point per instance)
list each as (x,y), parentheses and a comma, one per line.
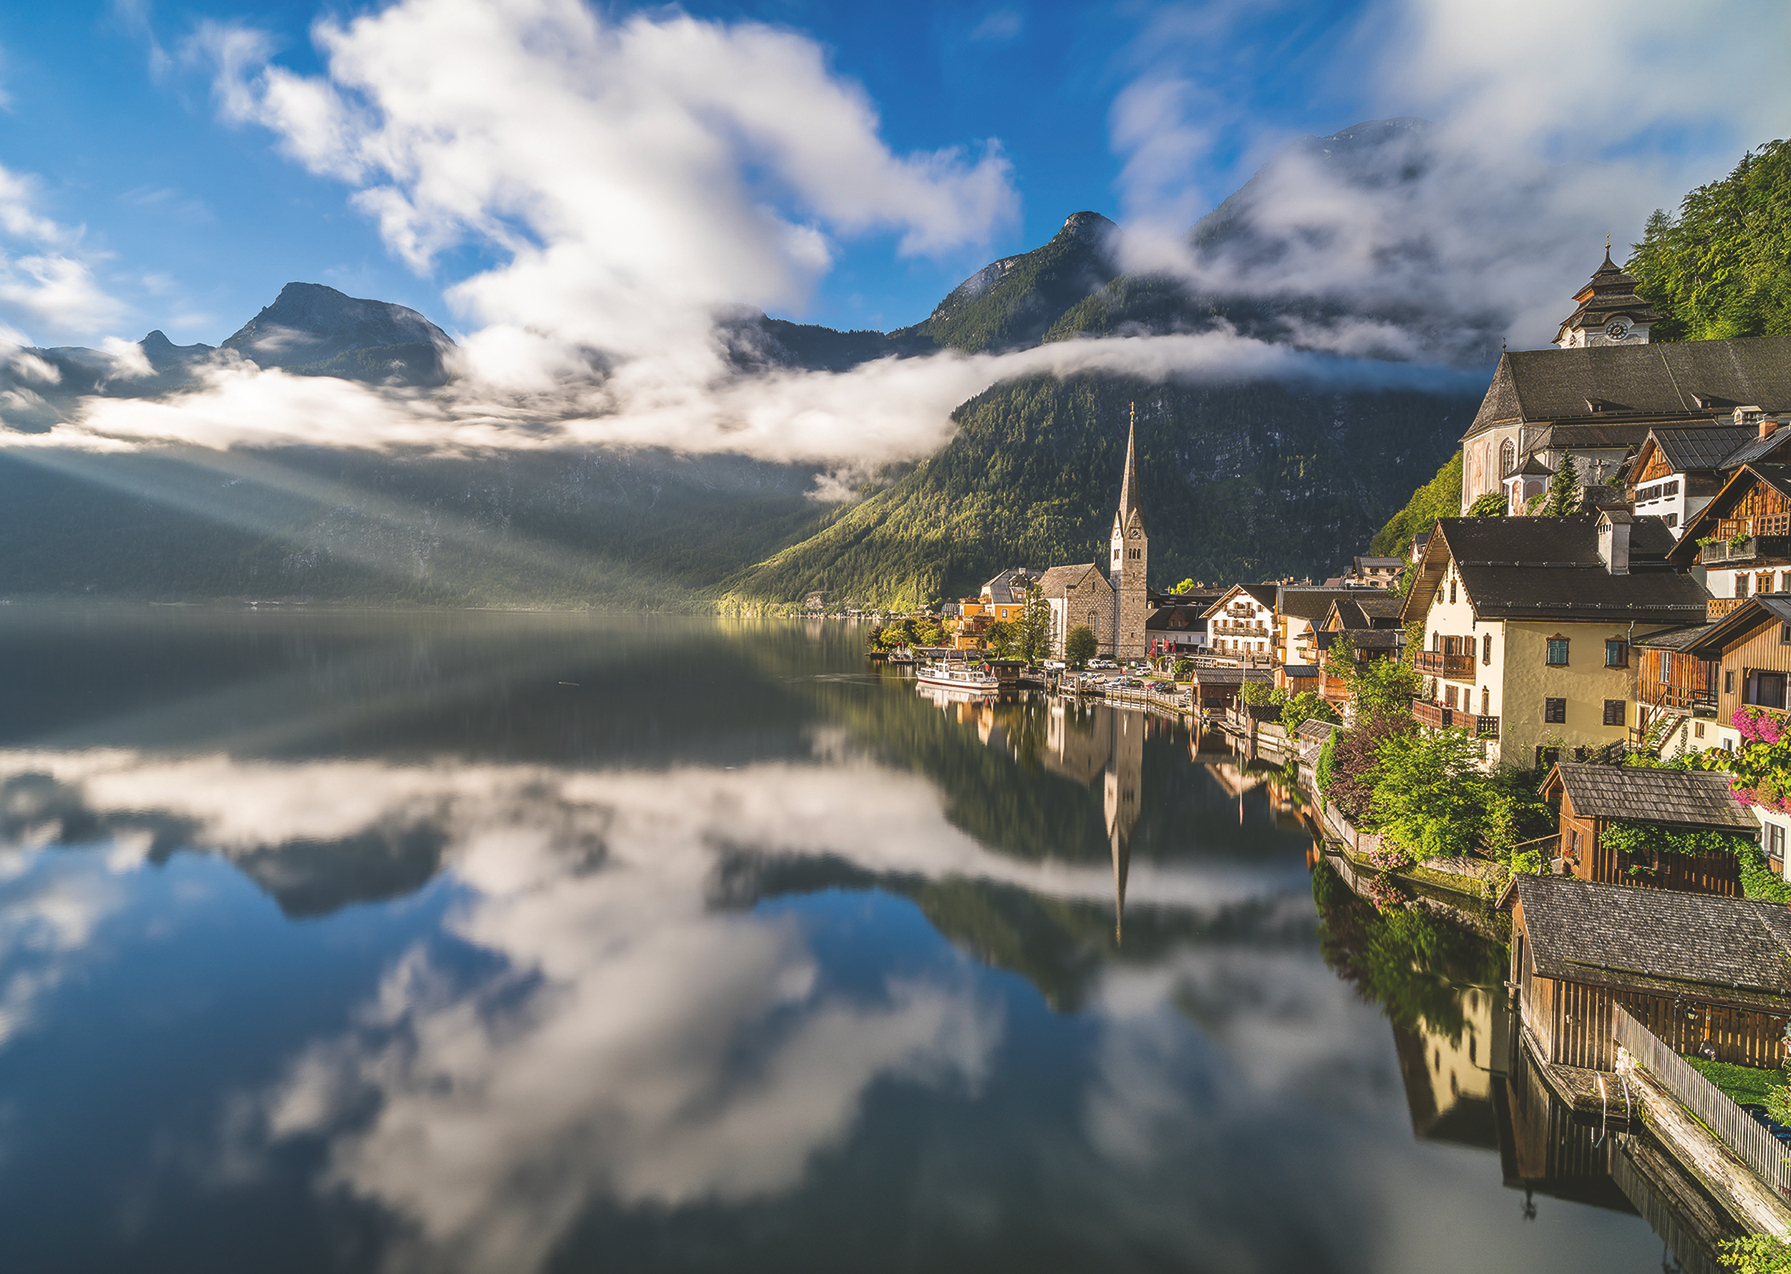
(517,942)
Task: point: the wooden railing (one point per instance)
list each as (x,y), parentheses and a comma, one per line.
(1717,607)
(1434,663)
(1486,727)
(1659,696)
(1757,1148)
(1434,715)
(1729,551)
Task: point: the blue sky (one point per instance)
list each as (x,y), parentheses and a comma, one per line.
(190,216)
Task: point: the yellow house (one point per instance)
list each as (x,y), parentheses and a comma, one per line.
(1528,626)
(1001,601)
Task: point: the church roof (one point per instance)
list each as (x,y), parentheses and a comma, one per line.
(1054,581)
(1676,380)
(1129,513)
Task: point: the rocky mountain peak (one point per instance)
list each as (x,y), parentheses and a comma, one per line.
(309,322)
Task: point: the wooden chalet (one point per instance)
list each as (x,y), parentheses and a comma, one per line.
(1695,969)
(1241,624)
(1680,468)
(1747,526)
(1675,692)
(1592,796)
(1750,648)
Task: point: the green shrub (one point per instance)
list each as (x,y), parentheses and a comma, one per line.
(1757,1254)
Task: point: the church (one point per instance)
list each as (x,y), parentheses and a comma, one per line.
(1600,393)
(1116,605)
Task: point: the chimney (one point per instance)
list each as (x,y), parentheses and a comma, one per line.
(1767,425)
(1613,540)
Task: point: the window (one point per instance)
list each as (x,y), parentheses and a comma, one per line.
(1485,702)
(1671,488)
(1507,457)
(1574,842)
(1557,651)
(1671,519)
(1666,667)
(1763,582)
(1775,841)
(1729,682)
(1616,653)
(1785,634)
(1451,592)
(1697,729)
(1555,711)
(1767,689)
(1740,584)
(1486,649)
(1613,711)
(1547,756)
(1449,696)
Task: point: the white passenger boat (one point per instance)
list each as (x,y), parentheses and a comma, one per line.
(959,676)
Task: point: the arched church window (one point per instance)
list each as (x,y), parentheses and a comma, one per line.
(1507,457)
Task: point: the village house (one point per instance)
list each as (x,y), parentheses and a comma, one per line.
(1699,970)
(1592,797)
(1369,625)
(1001,601)
(1675,693)
(1528,622)
(1600,394)
(1680,469)
(1175,631)
(1374,572)
(1241,624)
(1299,609)
(1746,536)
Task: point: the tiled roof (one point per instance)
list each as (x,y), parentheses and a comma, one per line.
(1753,449)
(1177,618)
(1262,594)
(1308,602)
(1676,798)
(1375,638)
(1542,568)
(1746,619)
(1659,940)
(1054,581)
(1379,563)
(1230,676)
(1675,638)
(1001,589)
(1664,379)
(1689,447)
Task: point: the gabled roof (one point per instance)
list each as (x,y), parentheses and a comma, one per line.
(1262,594)
(1007,588)
(1549,568)
(1673,798)
(1054,581)
(1177,618)
(1738,625)
(1608,294)
(1753,449)
(1662,941)
(1659,380)
(1308,602)
(1359,611)
(1737,485)
(1675,638)
(1689,447)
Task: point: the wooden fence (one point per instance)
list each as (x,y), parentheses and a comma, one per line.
(1759,1149)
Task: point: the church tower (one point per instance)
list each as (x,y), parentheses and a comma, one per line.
(1129,560)
(1611,311)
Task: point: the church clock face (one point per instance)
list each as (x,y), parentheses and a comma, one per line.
(1134,533)
(1618,330)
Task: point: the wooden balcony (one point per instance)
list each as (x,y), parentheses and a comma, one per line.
(1729,551)
(1434,663)
(1682,698)
(1717,607)
(1434,715)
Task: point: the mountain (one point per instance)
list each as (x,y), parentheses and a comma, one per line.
(1243,480)
(316,330)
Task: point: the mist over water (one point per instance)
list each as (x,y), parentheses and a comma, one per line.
(486,942)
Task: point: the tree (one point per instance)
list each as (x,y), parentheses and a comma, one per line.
(1355,760)
(999,638)
(1032,638)
(1375,685)
(1079,645)
(1308,705)
(1429,792)
(1490,505)
(1183,669)
(1563,489)
(1438,498)
(1186,586)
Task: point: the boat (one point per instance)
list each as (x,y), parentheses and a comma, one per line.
(959,676)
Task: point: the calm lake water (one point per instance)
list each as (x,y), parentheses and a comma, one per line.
(475,942)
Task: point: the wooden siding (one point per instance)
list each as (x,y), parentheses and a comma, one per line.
(1687,681)
(1596,861)
(1658,466)
(1761,652)
(1571,1021)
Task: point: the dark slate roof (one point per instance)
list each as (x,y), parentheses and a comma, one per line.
(1661,941)
(1691,447)
(1263,594)
(1662,380)
(1676,798)
(1543,568)
(1358,611)
(1675,638)
(1381,563)
(1230,676)
(1754,449)
(1177,618)
(1001,589)
(1054,581)
(1308,602)
(1300,670)
(1375,638)
(1587,436)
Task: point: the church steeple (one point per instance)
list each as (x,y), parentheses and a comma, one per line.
(1128,489)
(1128,561)
(1611,311)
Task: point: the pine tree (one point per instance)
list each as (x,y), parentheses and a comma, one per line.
(1563,489)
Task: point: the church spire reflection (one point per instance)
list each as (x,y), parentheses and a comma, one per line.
(1125,761)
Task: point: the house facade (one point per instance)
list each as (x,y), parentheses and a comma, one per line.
(1527,628)
(1241,624)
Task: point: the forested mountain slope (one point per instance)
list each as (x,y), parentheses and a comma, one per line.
(1242,480)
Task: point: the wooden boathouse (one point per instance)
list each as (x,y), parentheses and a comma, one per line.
(1696,969)
(1593,796)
